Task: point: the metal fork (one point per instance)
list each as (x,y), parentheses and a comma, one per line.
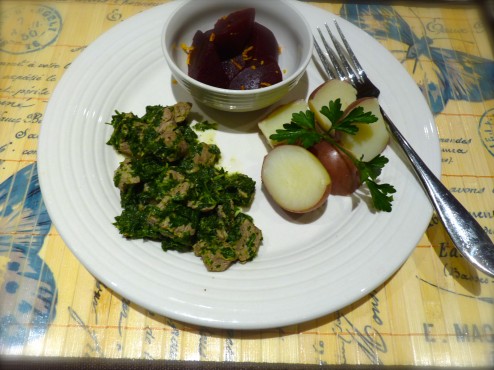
(465,232)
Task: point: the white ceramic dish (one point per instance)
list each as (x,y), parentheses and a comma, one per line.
(282,18)
(308,265)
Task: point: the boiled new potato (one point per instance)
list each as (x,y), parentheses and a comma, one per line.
(371,139)
(278,117)
(345,177)
(295,179)
(330,91)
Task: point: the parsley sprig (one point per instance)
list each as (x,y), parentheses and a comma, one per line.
(301,130)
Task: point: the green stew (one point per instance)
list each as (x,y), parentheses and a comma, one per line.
(173,190)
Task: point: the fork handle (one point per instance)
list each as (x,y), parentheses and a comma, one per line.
(468,236)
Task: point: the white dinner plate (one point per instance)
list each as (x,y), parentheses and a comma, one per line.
(308,265)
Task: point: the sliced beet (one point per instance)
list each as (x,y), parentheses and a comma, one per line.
(261,45)
(204,63)
(233,66)
(232,32)
(238,53)
(256,77)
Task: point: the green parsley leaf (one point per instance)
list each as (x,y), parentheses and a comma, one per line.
(369,172)
(356,115)
(333,111)
(373,168)
(300,131)
(379,193)
(304,119)
(205,125)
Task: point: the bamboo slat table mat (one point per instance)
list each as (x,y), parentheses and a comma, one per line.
(434,311)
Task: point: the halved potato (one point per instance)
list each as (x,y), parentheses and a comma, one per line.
(371,138)
(295,178)
(345,177)
(330,91)
(278,117)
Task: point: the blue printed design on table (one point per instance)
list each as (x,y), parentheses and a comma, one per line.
(454,75)
(28,28)
(28,291)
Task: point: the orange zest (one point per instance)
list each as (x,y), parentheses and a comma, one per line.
(188,50)
(236,64)
(245,53)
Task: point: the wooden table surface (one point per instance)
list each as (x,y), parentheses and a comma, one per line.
(436,310)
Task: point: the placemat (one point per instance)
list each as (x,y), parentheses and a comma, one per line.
(435,311)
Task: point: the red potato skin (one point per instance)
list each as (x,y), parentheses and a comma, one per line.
(311,96)
(344,175)
(314,92)
(354,104)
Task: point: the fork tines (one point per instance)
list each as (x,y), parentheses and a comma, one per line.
(342,65)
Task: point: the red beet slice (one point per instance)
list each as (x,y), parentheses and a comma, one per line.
(232,32)
(205,64)
(233,66)
(257,76)
(238,53)
(261,46)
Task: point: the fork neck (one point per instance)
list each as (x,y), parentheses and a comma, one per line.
(365,90)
